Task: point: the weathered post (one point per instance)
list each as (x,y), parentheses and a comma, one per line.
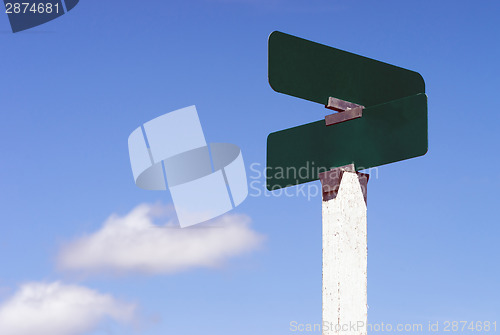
(344,251)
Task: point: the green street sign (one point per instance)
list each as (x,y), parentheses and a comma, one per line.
(315,72)
(383,116)
(385,134)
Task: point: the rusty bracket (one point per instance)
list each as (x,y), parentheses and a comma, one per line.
(330,181)
(346,111)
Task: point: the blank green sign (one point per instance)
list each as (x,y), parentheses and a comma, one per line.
(393,126)
(385,134)
(315,72)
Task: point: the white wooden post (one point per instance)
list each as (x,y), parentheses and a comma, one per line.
(344,252)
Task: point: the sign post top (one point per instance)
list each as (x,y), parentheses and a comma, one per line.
(382,111)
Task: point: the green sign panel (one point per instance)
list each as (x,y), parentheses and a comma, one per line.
(315,72)
(386,133)
(392,126)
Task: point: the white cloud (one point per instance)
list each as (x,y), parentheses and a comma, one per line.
(133,243)
(58,309)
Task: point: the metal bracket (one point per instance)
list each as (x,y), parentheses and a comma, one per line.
(330,181)
(346,111)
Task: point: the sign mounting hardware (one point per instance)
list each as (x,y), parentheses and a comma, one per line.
(346,111)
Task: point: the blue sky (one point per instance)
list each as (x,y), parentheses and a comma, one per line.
(75,88)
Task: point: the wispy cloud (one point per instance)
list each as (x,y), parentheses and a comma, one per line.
(134,243)
(58,309)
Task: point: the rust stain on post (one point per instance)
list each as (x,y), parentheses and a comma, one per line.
(330,181)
